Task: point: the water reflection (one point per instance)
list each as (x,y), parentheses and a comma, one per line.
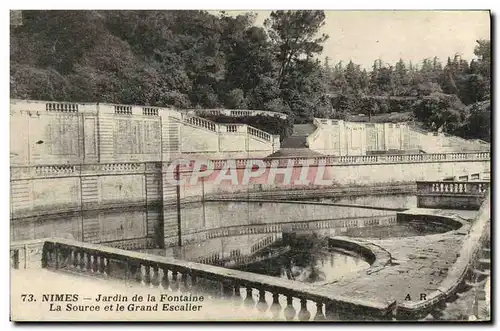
(406,229)
(303,256)
(308,259)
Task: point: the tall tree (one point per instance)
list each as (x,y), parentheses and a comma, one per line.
(294,34)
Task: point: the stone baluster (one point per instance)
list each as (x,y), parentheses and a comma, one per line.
(174,284)
(75,257)
(58,257)
(194,284)
(262,304)
(184,285)
(54,256)
(237,292)
(93,263)
(146,280)
(45,257)
(83,261)
(304,314)
(289,311)
(164,280)
(107,269)
(64,253)
(275,306)
(155,276)
(249,302)
(319,312)
(135,272)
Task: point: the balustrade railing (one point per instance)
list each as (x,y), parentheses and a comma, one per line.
(118,167)
(55,169)
(455,188)
(61,107)
(258,133)
(201,122)
(150,111)
(279,227)
(123,110)
(358,159)
(72,169)
(235,258)
(283,298)
(240,112)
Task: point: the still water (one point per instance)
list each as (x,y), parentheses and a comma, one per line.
(307,258)
(303,256)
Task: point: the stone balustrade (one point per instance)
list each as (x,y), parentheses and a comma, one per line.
(227,128)
(454,188)
(235,258)
(451,194)
(280,227)
(238,113)
(63,107)
(200,122)
(232,128)
(274,294)
(357,160)
(70,170)
(259,133)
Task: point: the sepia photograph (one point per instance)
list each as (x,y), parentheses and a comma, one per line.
(250,166)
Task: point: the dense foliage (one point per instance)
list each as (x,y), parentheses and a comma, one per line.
(195,59)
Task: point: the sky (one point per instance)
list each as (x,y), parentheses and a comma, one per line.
(364,36)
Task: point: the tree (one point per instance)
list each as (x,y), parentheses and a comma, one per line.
(293,32)
(400,78)
(439,110)
(483,52)
(353,76)
(236,100)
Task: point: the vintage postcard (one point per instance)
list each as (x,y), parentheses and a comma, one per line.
(276,165)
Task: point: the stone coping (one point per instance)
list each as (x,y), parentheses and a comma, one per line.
(268,283)
(131,166)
